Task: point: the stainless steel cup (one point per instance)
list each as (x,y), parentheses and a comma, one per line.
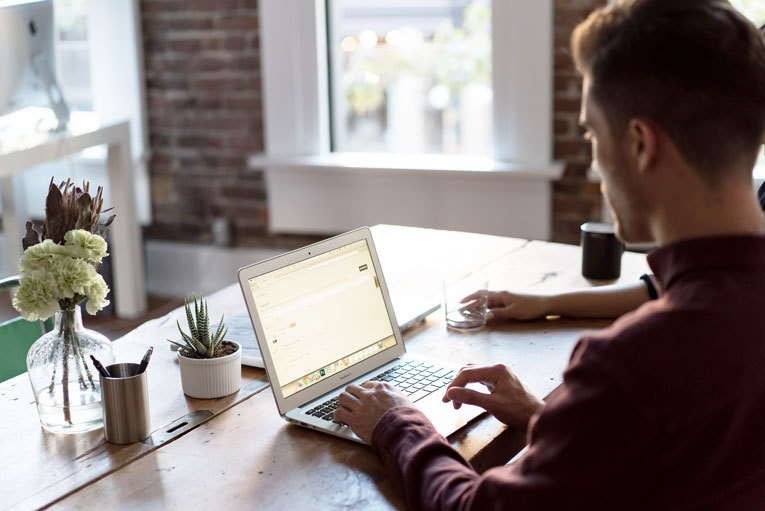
(125,403)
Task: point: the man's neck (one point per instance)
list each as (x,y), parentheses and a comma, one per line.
(728,210)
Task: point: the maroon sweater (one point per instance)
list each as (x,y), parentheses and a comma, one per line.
(663,410)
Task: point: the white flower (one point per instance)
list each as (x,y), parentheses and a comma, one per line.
(86,245)
(38,257)
(51,273)
(37,297)
(72,275)
(96,294)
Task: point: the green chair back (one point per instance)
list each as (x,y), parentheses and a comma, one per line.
(16,336)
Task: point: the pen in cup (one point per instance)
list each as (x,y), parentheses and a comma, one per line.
(101,369)
(145,360)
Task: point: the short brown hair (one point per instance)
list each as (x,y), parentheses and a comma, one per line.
(695,67)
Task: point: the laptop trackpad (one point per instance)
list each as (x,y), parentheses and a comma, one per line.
(444,417)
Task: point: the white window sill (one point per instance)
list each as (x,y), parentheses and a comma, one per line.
(331,193)
(414,164)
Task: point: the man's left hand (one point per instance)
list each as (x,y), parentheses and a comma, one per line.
(361,408)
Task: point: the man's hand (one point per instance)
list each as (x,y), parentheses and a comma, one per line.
(507,305)
(507,400)
(361,408)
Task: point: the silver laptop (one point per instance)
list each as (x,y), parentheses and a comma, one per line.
(323,319)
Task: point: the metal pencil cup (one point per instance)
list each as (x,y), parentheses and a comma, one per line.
(125,402)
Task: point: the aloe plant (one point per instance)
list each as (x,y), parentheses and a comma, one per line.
(199,343)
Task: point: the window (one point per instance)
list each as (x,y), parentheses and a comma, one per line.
(330,168)
(295,74)
(72,58)
(411,76)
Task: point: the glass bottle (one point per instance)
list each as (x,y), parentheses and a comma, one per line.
(65,382)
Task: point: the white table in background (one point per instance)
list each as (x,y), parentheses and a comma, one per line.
(21,151)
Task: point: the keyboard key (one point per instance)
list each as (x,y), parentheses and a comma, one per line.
(416,396)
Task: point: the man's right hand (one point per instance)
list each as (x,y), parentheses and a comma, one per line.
(507,399)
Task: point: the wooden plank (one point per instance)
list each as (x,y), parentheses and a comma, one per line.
(40,467)
(247,458)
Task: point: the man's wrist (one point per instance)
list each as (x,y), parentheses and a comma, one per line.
(405,416)
(548,304)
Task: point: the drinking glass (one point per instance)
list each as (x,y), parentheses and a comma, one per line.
(466,300)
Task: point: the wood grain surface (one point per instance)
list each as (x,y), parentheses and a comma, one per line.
(248,457)
(39,467)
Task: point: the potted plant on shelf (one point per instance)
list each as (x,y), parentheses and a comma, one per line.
(211,366)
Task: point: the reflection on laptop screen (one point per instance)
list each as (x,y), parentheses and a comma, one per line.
(322,315)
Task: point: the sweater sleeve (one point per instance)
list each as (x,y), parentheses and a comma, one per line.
(583,454)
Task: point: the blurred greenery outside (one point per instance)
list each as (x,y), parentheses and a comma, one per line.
(445,63)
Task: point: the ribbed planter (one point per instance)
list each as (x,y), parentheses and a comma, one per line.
(208,378)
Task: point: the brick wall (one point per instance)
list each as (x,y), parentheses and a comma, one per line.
(575,200)
(205,117)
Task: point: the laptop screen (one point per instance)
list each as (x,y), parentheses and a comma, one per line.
(322,315)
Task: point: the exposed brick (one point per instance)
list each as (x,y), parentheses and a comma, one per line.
(570,16)
(570,150)
(203,88)
(238,22)
(562,126)
(212,5)
(564,104)
(151,7)
(575,199)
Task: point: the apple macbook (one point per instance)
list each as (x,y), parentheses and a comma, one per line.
(323,319)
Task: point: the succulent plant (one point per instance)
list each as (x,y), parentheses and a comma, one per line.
(199,342)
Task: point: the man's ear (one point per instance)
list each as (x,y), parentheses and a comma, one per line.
(642,143)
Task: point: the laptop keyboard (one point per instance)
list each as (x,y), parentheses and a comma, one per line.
(414,378)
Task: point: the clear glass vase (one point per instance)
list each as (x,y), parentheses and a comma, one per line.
(65,383)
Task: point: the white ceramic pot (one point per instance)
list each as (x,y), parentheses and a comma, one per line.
(208,378)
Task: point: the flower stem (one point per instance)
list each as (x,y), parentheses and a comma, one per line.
(65,378)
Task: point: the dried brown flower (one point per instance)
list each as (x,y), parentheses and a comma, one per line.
(68,207)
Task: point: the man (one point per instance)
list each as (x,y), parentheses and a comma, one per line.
(664,409)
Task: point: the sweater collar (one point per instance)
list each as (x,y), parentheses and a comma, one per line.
(670,261)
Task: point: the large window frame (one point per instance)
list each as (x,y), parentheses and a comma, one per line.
(297,134)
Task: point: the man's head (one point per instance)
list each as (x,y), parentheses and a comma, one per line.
(690,73)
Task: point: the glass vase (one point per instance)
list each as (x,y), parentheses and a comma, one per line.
(65,382)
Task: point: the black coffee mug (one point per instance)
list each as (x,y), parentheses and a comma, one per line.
(601,251)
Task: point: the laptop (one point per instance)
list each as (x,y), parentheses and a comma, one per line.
(323,319)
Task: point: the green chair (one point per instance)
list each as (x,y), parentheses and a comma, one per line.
(16,336)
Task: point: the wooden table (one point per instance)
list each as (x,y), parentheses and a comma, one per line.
(236,452)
